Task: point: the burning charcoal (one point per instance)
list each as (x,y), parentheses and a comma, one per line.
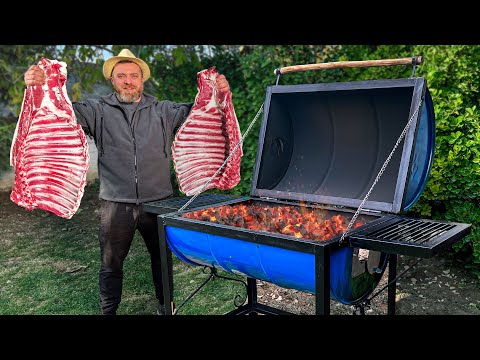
(317,234)
(268,212)
(357,224)
(261,216)
(249,218)
(239,221)
(287,230)
(280,224)
(309,217)
(253,226)
(301,229)
(320,215)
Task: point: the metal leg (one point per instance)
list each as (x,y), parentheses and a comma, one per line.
(167,268)
(251,293)
(392,288)
(322,281)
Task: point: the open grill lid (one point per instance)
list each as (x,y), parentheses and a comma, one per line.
(326,143)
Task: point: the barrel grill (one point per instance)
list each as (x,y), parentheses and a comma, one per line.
(320,152)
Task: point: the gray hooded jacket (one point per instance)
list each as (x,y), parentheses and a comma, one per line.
(133,160)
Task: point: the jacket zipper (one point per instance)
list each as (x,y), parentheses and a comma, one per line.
(132,129)
(135,154)
(135,160)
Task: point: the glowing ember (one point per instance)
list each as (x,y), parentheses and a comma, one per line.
(300,222)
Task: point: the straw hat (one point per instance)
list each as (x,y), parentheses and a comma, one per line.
(125,54)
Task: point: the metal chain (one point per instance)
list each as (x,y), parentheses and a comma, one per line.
(380,173)
(226,160)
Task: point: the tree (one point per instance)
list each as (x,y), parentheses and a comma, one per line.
(83,60)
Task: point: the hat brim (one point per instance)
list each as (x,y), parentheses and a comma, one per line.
(110,64)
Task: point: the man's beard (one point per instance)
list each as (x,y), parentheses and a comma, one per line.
(128,96)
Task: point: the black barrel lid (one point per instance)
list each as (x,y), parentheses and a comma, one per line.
(326,143)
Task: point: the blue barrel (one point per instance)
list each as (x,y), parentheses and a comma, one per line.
(286,268)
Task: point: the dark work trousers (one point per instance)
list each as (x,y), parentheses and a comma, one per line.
(118,224)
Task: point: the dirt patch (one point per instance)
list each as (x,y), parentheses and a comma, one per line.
(436,286)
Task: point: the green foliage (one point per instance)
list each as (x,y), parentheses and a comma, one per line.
(468,247)
(6,135)
(456,170)
(16,59)
(173,70)
(378,52)
(454,81)
(453,77)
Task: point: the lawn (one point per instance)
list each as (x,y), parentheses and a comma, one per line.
(49,265)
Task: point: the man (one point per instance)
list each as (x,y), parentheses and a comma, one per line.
(133,132)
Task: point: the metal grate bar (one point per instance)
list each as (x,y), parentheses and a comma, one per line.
(390,231)
(436,230)
(204,199)
(412,230)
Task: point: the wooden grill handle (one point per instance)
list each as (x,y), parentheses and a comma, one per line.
(349,64)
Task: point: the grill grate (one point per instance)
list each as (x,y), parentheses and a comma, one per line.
(411,230)
(201,200)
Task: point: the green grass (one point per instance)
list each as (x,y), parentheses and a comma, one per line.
(49,265)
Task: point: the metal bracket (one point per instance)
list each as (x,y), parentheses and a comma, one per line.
(359,309)
(278,73)
(367,302)
(415,62)
(267,198)
(212,274)
(370,211)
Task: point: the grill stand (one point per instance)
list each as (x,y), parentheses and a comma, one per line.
(392,288)
(322,268)
(167,278)
(167,269)
(322,301)
(252,307)
(322,275)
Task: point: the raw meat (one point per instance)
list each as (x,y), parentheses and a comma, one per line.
(49,150)
(205,140)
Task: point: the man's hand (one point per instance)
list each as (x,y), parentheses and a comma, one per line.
(35,76)
(222,84)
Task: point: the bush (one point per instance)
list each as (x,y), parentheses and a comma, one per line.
(6,135)
(453,76)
